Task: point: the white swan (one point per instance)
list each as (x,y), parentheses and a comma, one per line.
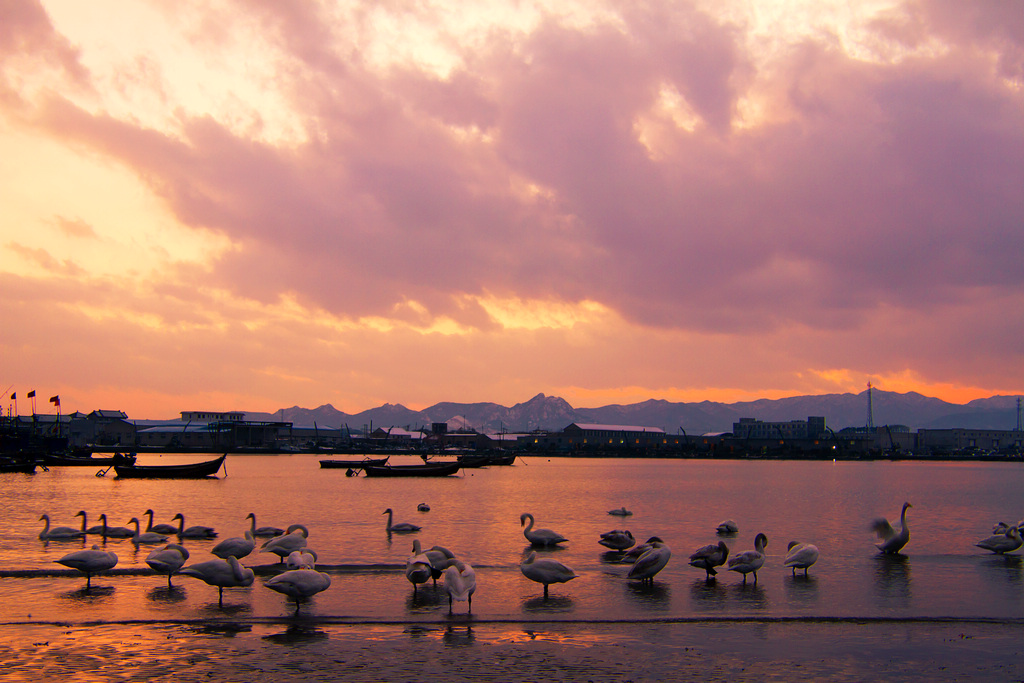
(619,539)
(302,559)
(620,512)
(460,583)
(749,561)
(727,527)
(145,537)
(196,531)
(284,545)
(710,556)
(892,542)
(60,533)
(545,571)
(104,529)
(1005,542)
(222,574)
(89,562)
(651,562)
(541,537)
(235,547)
(167,560)
(437,557)
(263,530)
(634,553)
(166,529)
(417,568)
(800,556)
(401,527)
(300,584)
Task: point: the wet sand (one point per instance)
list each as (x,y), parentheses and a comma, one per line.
(462,649)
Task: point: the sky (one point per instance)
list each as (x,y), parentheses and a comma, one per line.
(253,204)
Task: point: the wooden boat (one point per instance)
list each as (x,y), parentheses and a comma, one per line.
(502,459)
(353,464)
(17,465)
(69,460)
(440,469)
(194,470)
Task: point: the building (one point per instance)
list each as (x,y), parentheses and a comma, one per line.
(749,428)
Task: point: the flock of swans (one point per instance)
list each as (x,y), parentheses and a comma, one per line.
(300,580)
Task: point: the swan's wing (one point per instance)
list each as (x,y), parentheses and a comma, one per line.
(882,527)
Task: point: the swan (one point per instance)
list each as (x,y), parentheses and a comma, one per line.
(300,584)
(282,546)
(263,530)
(545,571)
(145,537)
(892,542)
(168,560)
(710,556)
(438,558)
(460,582)
(800,556)
(1002,543)
(235,547)
(540,537)
(651,562)
(222,574)
(727,527)
(423,507)
(636,551)
(401,527)
(159,528)
(418,568)
(749,561)
(193,531)
(1003,527)
(103,529)
(89,562)
(302,559)
(617,540)
(621,512)
(60,533)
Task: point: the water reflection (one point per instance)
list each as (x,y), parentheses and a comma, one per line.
(656,596)
(226,608)
(297,634)
(458,636)
(88,595)
(612,557)
(1006,568)
(892,580)
(424,599)
(165,595)
(802,589)
(708,594)
(555,603)
(751,595)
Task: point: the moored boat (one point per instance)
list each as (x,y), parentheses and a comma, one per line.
(354,464)
(194,470)
(71,460)
(442,469)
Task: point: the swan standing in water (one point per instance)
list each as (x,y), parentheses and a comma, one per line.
(710,556)
(89,562)
(460,583)
(196,531)
(145,537)
(749,561)
(300,584)
(800,556)
(167,560)
(634,553)
(1005,542)
(222,574)
(437,557)
(545,571)
(401,527)
(60,533)
(539,537)
(892,542)
(166,529)
(651,562)
(263,530)
(235,547)
(282,546)
(619,539)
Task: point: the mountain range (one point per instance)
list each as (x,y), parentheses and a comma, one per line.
(552,413)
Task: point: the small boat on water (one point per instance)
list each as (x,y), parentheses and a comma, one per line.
(72,460)
(17,465)
(440,469)
(353,464)
(194,470)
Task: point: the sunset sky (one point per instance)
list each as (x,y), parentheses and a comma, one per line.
(249,205)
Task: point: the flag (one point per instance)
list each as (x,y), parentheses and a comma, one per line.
(31,394)
(55,400)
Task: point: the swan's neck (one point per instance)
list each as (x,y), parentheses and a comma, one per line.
(530,525)
(903,517)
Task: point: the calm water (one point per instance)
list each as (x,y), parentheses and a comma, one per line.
(477,515)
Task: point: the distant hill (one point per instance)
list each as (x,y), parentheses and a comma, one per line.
(553,413)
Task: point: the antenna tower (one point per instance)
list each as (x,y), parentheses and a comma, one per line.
(1018,414)
(871,415)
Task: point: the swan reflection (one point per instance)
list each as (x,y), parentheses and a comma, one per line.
(89,594)
(656,596)
(554,603)
(751,595)
(708,594)
(460,636)
(1006,568)
(163,594)
(892,580)
(297,634)
(801,589)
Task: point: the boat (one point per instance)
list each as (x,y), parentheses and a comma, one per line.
(17,465)
(194,470)
(439,469)
(502,459)
(71,460)
(353,464)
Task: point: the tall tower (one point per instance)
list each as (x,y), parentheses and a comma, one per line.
(871,415)
(1018,414)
